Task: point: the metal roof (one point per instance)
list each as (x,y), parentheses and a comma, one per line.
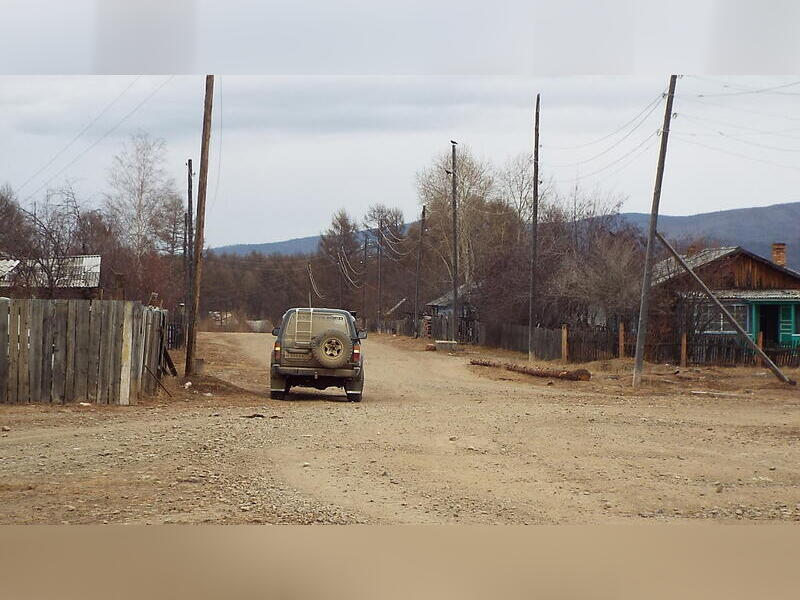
(82,271)
(752,295)
(6,266)
(464,290)
(668,268)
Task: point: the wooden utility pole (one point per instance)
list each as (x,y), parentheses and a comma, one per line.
(380,275)
(191,341)
(534,228)
(188,316)
(454,336)
(739,329)
(644,304)
(416,285)
(364,286)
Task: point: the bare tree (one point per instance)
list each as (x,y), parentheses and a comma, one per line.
(15,231)
(140,191)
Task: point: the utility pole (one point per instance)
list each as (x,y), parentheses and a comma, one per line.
(647,277)
(341,291)
(308,268)
(364,286)
(416,285)
(188,316)
(380,275)
(455,245)
(191,341)
(534,228)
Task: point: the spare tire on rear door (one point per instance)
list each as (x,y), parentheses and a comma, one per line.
(332,349)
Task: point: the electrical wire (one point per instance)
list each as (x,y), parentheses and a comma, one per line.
(748,130)
(607,150)
(612,163)
(104,136)
(347,275)
(314,284)
(635,158)
(704,102)
(347,260)
(761,160)
(746,142)
(746,89)
(613,133)
(80,133)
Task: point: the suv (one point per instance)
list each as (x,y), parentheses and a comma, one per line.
(319,348)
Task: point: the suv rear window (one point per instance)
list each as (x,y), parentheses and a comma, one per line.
(296,328)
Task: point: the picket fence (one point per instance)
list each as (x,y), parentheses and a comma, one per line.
(99,351)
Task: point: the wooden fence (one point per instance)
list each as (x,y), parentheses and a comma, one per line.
(100,351)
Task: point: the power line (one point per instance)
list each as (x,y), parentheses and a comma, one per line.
(80,133)
(745,89)
(104,136)
(613,133)
(705,102)
(746,142)
(612,163)
(614,145)
(761,160)
(627,164)
(314,284)
(749,130)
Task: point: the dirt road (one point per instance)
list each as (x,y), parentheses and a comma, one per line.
(435,441)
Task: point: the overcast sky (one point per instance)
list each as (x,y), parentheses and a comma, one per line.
(288,151)
(335,120)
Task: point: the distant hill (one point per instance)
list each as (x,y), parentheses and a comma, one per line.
(753,228)
(304,245)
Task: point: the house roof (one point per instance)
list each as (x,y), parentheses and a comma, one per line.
(82,271)
(6,266)
(464,290)
(669,268)
(753,295)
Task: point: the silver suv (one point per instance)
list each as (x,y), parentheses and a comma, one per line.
(319,348)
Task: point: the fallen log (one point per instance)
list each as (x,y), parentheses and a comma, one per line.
(575,375)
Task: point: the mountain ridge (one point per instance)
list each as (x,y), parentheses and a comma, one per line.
(754,228)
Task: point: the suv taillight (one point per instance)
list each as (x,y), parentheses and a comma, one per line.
(356,353)
(276,352)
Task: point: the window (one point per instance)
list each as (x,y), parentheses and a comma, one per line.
(709,318)
(321,321)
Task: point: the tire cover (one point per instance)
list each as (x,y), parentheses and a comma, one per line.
(332,349)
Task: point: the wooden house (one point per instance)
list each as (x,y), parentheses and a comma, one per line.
(75,277)
(762,294)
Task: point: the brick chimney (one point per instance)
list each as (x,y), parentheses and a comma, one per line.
(779,253)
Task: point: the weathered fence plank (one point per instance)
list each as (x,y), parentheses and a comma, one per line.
(116,354)
(58,392)
(5,306)
(69,385)
(23,385)
(125,355)
(48,318)
(95,332)
(82,331)
(35,351)
(106,343)
(13,352)
(137,349)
